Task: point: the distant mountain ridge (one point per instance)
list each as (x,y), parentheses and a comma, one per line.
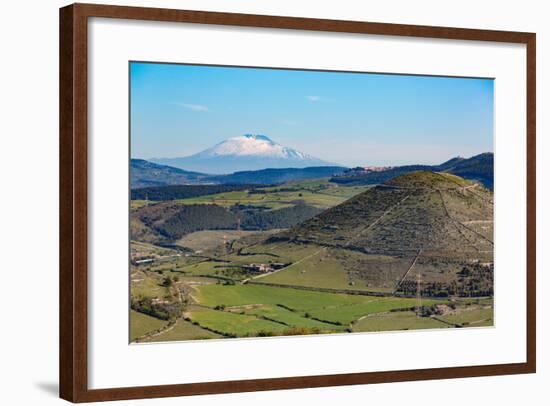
(143,173)
(146,174)
(477,168)
(273,176)
(241,153)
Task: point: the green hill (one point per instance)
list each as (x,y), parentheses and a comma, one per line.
(433,225)
(414,211)
(166,222)
(144,174)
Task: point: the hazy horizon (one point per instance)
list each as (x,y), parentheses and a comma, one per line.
(351,119)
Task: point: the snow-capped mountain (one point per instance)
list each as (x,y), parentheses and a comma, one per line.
(252,145)
(243,153)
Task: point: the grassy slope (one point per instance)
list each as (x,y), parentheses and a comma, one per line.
(141,324)
(149,287)
(272,200)
(319,193)
(292,319)
(185,330)
(396,321)
(471,317)
(209,239)
(233,324)
(347,314)
(321,271)
(239,295)
(330,268)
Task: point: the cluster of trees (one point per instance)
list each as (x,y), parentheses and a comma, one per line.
(186,219)
(427,311)
(282,218)
(169,310)
(473,280)
(191,218)
(279,190)
(291,331)
(174,192)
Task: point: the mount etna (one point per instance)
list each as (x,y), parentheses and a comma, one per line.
(243,153)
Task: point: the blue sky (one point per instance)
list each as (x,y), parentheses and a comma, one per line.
(346,118)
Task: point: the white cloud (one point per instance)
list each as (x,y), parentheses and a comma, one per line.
(314,98)
(194,107)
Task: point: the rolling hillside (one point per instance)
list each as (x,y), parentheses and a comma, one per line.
(477,168)
(166,222)
(144,174)
(352,266)
(414,211)
(432,225)
(162,215)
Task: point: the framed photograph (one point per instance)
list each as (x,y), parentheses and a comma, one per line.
(255,202)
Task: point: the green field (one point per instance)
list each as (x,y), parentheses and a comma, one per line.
(227,265)
(240,295)
(318,193)
(320,271)
(299,308)
(328,268)
(217,310)
(203,268)
(471,317)
(149,286)
(184,330)
(209,239)
(136,204)
(347,314)
(396,321)
(283,250)
(141,324)
(232,324)
(288,317)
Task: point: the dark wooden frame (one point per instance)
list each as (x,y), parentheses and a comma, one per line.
(73,361)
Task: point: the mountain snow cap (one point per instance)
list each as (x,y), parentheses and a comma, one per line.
(254,145)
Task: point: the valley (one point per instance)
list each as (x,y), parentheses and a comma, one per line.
(310,256)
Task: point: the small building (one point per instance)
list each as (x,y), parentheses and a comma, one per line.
(258,268)
(143,261)
(264,268)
